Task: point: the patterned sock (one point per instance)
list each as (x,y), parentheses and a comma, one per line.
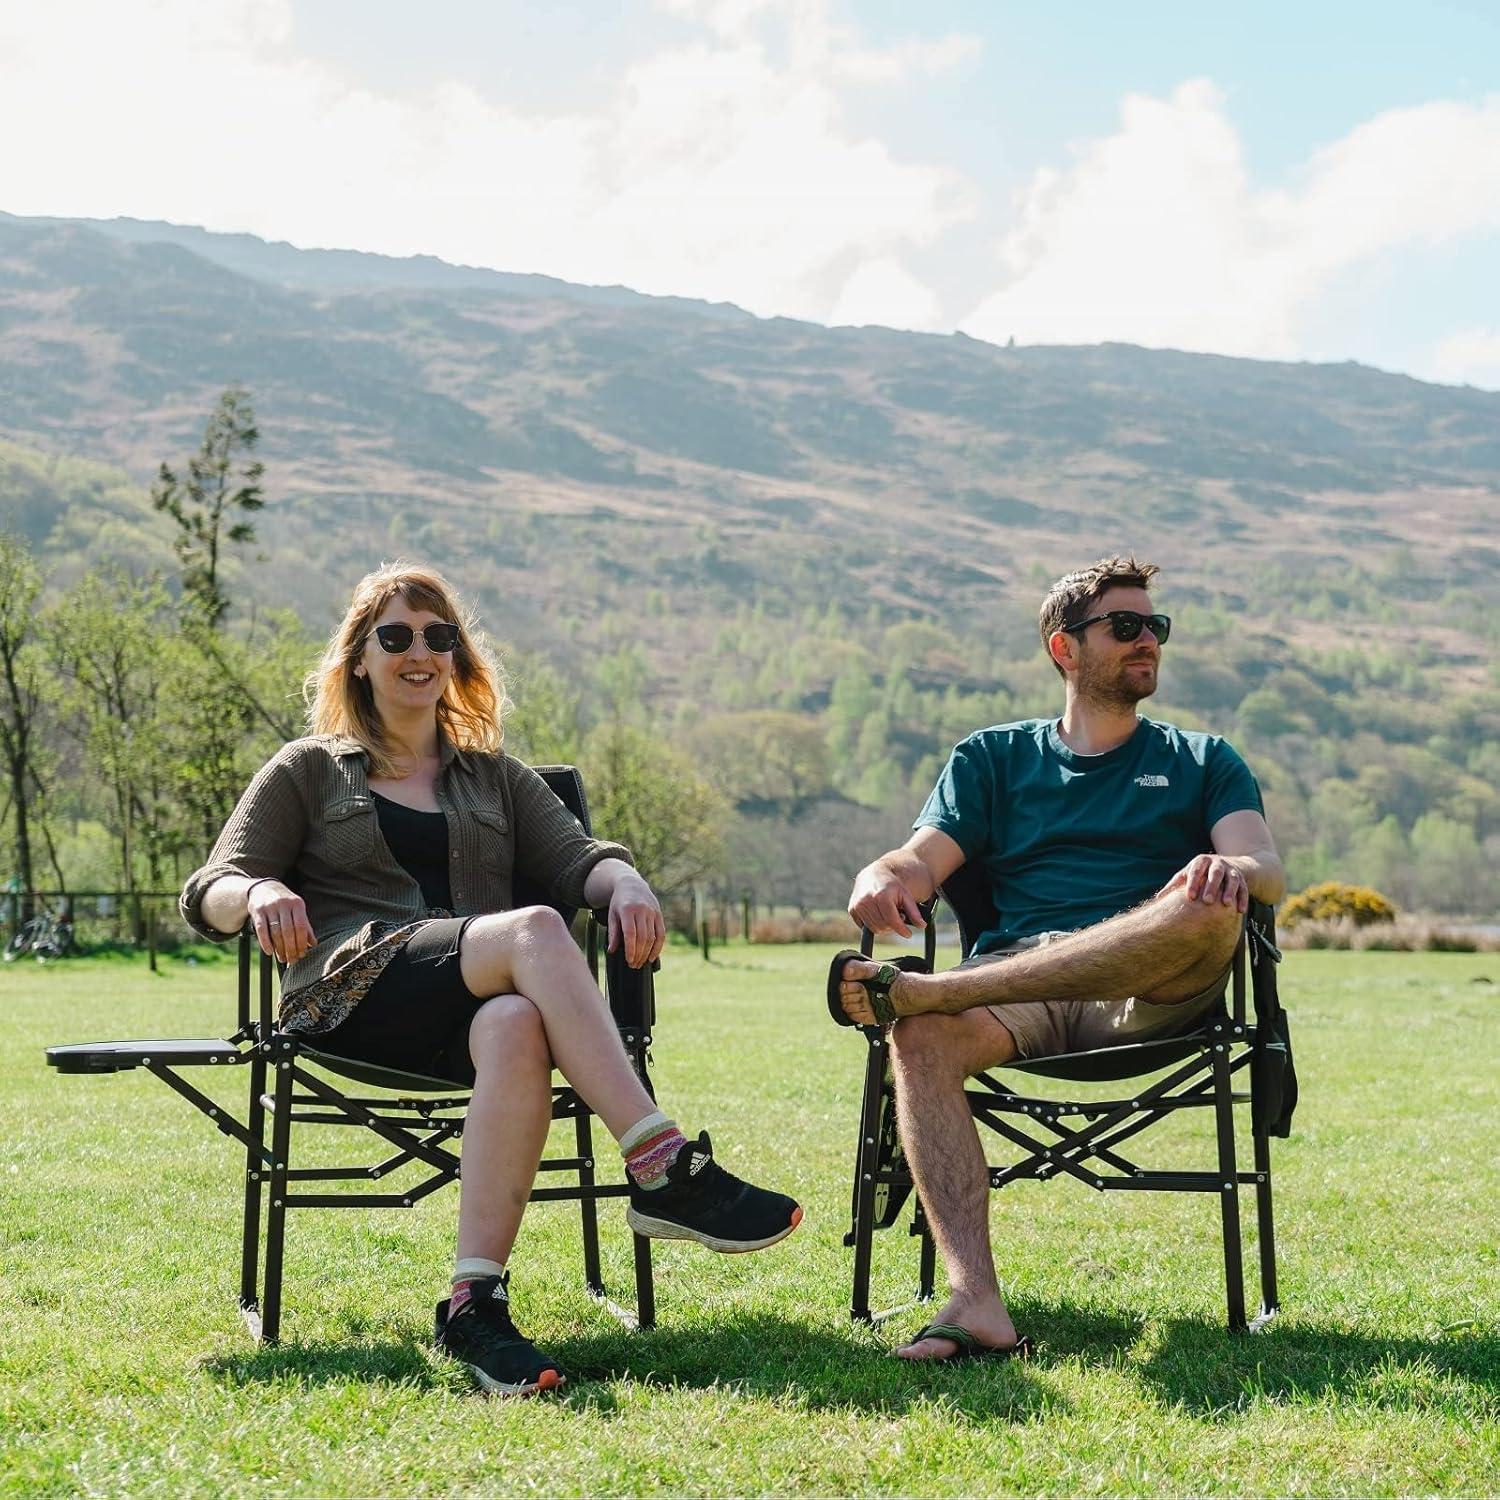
(649,1147)
(468,1270)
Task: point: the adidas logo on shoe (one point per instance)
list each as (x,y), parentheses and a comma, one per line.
(698,1162)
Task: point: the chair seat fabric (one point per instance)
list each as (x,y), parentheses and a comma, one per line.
(1131,1060)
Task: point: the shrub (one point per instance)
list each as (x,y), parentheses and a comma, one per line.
(1334,901)
(1404,935)
(804,930)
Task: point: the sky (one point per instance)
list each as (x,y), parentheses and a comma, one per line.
(1278,180)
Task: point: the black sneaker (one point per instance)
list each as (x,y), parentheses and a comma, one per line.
(703,1202)
(481,1335)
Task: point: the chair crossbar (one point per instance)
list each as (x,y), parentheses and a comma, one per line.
(1110,1125)
(366,1200)
(215,1111)
(398,1135)
(427,1108)
(597,1191)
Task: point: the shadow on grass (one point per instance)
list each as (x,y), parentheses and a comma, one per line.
(757,1355)
(1195,1366)
(371,1361)
(761,1354)
(1213,1374)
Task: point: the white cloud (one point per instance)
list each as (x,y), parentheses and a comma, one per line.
(1155,234)
(713,169)
(1469,357)
(883,291)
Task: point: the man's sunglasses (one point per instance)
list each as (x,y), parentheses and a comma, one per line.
(1127,624)
(395,639)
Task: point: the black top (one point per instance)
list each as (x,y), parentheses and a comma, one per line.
(419,841)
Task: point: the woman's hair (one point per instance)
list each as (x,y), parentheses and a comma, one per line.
(473,704)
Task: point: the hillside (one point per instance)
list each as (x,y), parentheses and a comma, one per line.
(848,526)
(549,444)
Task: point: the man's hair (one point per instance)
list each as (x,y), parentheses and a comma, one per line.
(1073,597)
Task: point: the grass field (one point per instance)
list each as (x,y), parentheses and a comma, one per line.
(125,1368)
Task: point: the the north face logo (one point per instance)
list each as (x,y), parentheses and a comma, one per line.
(1151,781)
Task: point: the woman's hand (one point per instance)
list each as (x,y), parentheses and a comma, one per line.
(279,916)
(635,921)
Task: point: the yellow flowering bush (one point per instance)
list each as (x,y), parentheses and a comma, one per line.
(1333,900)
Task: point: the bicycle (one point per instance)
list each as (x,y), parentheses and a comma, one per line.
(47,935)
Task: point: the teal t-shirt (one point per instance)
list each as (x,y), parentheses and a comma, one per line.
(1070,839)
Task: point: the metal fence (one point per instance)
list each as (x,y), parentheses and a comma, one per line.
(147,920)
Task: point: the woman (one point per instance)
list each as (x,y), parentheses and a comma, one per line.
(375,860)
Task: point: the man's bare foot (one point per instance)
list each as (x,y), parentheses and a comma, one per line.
(856,999)
(988,1321)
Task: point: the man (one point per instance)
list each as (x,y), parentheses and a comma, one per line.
(1122,854)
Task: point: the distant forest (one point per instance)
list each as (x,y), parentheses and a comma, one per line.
(756,576)
(787,747)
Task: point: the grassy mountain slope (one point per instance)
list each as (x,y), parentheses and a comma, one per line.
(547,444)
(853,526)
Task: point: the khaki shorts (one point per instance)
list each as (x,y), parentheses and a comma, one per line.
(1042,1028)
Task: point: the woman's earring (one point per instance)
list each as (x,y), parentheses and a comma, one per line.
(359,672)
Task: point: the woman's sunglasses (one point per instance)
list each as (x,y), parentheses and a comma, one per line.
(1126,624)
(395,639)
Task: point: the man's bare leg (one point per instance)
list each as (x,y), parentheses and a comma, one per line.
(931,1057)
(1165,951)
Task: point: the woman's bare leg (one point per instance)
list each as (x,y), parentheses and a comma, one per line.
(505,1129)
(531,953)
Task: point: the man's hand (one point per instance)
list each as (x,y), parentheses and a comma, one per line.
(1212,877)
(279,916)
(635,920)
(881,902)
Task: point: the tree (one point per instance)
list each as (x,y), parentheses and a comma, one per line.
(213,492)
(765,756)
(113,640)
(22,683)
(544,724)
(233,701)
(1449,866)
(647,796)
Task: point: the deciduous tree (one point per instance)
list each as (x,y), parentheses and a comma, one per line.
(212,505)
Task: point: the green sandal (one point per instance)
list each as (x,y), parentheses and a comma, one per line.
(969,1347)
(877,986)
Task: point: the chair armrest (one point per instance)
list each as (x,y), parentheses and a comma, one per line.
(928,909)
(631,993)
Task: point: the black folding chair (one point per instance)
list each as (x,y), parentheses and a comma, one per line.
(1085,1140)
(414,1120)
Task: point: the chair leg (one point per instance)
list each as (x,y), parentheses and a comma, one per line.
(927,1264)
(1266,1226)
(255,1171)
(281,1135)
(1229,1191)
(866,1162)
(593,1275)
(645,1284)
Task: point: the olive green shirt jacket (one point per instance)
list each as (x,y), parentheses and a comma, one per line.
(309,819)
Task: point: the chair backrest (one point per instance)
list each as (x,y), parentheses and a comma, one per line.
(969,896)
(567,785)
(631,993)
